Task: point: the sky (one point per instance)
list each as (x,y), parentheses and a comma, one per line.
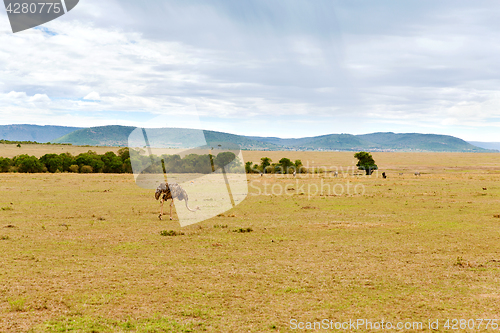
(286,68)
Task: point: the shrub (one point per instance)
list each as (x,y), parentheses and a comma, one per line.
(86,169)
(112,163)
(53,162)
(67,160)
(171,233)
(28,164)
(243,230)
(74,168)
(17,304)
(5,164)
(90,158)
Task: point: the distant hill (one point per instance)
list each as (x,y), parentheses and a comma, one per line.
(486,145)
(182,138)
(36,133)
(378,142)
(325,142)
(420,142)
(172,137)
(186,138)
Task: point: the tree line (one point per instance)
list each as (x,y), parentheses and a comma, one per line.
(19,143)
(91,162)
(126,161)
(192,163)
(284,166)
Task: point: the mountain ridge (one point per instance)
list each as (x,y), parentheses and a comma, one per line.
(117,135)
(38,133)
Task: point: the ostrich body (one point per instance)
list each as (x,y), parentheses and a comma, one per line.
(171,191)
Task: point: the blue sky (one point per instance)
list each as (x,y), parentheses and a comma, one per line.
(269,68)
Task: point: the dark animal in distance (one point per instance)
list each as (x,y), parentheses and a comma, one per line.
(171,191)
(383,175)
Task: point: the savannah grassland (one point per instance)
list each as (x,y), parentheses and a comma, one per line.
(83,252)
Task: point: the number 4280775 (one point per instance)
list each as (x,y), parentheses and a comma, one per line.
(34,8)
(461,324)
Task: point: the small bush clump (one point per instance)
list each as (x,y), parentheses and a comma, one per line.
(243,230)
(74,168)
(17,304)
(171,233)
(86,169)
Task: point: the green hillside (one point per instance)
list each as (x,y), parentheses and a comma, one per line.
(40,134)
(189,138)
(420,142)
(118,136)
(114,135)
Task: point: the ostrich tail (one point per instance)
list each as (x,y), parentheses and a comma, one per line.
(191,210)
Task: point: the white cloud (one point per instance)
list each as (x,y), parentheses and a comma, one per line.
(93,96)
(332,64)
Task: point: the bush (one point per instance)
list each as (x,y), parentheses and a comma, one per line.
(90,158)
(171,233)
(67,160)
(243,230)
(5,164)
(74,168)
(26,163)
(86,169)
(53,162)
(17,304)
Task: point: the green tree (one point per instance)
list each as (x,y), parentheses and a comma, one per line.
(124,154)
(224,158)
(286,165)
(5,164)
(365,162)
(264,163)
(29,164)
(90,158)
(67,160)
(248,167)
(52,162)
(112,163)
(299,167)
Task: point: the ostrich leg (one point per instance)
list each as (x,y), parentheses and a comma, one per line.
(171,204)
(161,210)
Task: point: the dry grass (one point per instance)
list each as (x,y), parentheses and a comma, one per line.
(84,253)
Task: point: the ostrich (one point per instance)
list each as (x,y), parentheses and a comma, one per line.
(171,191)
